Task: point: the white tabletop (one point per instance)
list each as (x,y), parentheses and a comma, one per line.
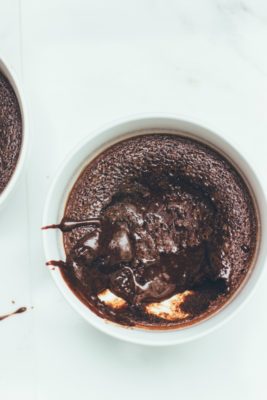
(83,63)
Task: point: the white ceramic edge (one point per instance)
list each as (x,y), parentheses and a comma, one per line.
(11,76)
(51,238)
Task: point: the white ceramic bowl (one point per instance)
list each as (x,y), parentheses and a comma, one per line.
(67,175)
(9,74)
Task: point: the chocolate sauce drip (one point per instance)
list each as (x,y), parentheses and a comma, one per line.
(54,263)
(67,225)
(18,311)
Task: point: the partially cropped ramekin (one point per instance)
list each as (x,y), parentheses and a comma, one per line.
(11,77)
(96,143)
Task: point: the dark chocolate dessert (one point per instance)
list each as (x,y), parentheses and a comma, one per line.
(159,232)
(10,131)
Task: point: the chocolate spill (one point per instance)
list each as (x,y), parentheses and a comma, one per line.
(67,225)
(18,311)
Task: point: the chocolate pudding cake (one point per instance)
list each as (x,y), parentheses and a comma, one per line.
(159,232)
(10,131)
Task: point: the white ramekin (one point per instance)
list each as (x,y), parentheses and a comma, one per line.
(10,75)
(70,170)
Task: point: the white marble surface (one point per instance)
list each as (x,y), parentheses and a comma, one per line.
(86,62)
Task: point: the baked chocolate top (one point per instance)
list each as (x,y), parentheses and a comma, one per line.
(10,131)
(159,231)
